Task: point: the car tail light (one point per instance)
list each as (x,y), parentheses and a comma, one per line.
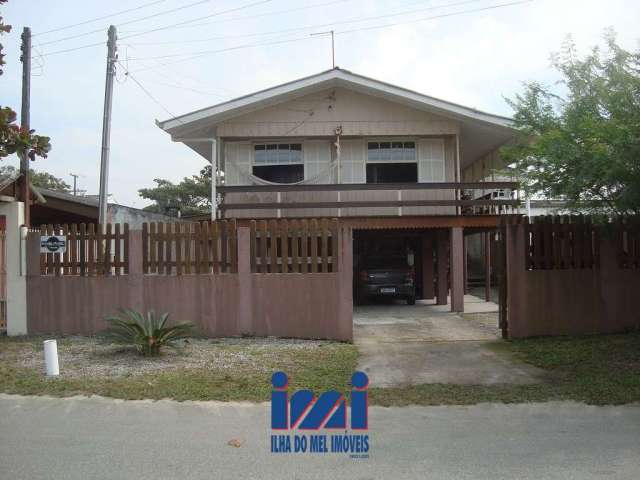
(364,275)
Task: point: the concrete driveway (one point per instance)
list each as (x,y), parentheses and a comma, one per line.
(97,438)
(424,343)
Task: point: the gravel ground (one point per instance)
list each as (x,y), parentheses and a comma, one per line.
(88,356)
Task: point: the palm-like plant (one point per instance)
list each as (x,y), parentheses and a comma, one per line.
(148,333)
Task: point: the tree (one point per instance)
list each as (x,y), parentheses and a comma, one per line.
(14,139)
(191,196)
(581,141)
(38,179)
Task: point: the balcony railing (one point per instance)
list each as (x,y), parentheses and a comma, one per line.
(443,198)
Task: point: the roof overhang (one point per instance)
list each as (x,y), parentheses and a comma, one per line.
(197,129)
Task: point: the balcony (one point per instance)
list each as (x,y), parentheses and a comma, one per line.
(358,200)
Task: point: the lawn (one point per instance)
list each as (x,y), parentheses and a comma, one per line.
(601,369)
(199,369)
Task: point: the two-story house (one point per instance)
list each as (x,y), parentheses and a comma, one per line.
(387,161)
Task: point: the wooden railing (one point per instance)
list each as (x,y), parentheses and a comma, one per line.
(281,246)
(189,248)
(465,198)
(89,251)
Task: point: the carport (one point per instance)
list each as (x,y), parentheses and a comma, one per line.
(438,251)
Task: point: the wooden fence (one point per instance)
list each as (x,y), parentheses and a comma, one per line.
(89,251)
(189,248)
(561,242)
(295,246)
(628,242)
(569,276)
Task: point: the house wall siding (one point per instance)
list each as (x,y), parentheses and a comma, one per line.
(312,120)
(320,113)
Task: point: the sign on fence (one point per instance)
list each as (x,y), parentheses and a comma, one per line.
(53,244)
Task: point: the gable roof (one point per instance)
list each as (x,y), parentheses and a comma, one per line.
(337,77)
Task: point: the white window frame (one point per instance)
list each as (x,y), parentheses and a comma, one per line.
(390,140)
(272,142)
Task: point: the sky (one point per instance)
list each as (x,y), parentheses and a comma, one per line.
(184,55)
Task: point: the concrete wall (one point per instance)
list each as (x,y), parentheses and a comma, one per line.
(16,281)
(135,217)
(571,301)
(284,305)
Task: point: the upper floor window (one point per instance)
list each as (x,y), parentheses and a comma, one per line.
(392,161)
(277,153)
(392,151)
(278,162)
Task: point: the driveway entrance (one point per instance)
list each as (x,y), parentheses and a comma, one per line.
(401,345)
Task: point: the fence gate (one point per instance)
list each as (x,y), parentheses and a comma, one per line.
(3,274)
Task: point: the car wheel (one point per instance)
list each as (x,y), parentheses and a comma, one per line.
(411,300)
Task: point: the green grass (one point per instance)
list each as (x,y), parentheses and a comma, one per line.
(324,368)
(597,370)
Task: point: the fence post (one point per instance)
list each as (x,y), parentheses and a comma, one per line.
(515,277)
(345,283)
(135,277)
(245,285)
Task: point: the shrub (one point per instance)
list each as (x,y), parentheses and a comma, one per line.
(147,333)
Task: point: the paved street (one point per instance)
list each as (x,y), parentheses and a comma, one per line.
(99,438)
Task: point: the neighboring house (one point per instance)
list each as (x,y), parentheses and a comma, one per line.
(386,160)
(58,208)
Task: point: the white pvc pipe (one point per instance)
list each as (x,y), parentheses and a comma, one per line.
(51,358)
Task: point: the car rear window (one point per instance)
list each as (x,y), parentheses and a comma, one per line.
(386,262)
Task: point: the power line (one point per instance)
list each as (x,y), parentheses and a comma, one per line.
(164,12)
(121,12)
(259,15)
(56,52)
(444,15)
(242,7)
(194,55)
(317,26)
(146,92)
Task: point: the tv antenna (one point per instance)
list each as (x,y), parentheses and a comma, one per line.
(333,46)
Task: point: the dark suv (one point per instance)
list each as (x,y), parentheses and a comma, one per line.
(386,276)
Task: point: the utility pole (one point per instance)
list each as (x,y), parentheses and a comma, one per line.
(25,121)
(75,183)
(106,127)
(333,46)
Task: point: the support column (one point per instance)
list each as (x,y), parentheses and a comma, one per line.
(428,290)
(457,269)
(16,300)
(214,177)
(487,266)
(465,253)
(443,267)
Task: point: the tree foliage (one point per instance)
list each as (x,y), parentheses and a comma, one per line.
(581,141)
(38,179)
(191,196)
(14,139)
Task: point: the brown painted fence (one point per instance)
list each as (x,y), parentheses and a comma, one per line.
(294,246)
(186,248)
(567,276)
(222,295)
(89,251)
